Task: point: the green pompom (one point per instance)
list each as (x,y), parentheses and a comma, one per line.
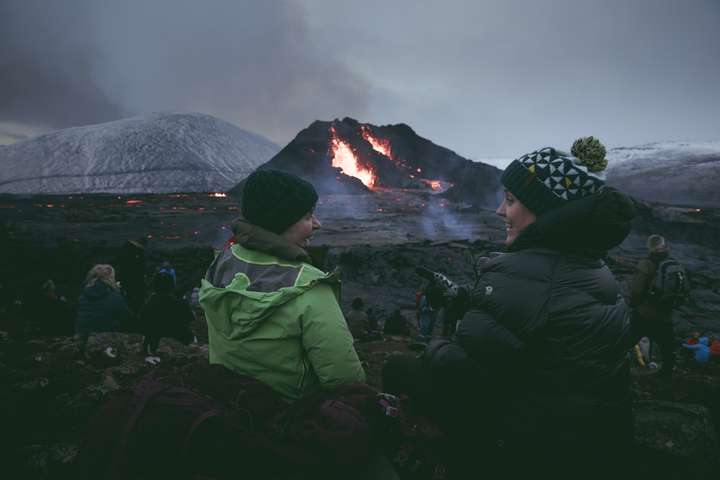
(591,153)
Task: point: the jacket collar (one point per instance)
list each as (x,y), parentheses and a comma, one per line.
(257,238)
(588,227)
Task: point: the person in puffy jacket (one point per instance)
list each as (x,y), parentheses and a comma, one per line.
(101,307)
(165,315)
(538,367)
(271,314)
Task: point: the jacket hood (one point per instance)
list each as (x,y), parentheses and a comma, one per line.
(257,238)
(239,306)
(96,291)
(589,226)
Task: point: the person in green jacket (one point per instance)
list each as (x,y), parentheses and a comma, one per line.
(271,314)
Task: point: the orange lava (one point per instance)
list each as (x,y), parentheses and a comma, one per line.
(344,158)
(381,146)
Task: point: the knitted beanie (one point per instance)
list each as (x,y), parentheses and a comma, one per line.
(548,178)
(275,200)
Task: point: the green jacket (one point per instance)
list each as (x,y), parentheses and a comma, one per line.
(273,316)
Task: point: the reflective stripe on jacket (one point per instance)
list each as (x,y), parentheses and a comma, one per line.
(278,321)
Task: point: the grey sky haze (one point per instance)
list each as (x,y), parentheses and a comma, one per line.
(486,78)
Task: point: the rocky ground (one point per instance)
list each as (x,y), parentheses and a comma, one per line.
(50,386)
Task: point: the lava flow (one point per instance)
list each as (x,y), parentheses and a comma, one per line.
(381,146)
(344,158)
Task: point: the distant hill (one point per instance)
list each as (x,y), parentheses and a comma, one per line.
(157,153)
(678,173)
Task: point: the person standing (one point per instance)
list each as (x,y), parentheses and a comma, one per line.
(653,310)
(427,317)
(130,265)
(357,320)
(165,315)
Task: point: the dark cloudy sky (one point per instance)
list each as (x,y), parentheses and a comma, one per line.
(486,78)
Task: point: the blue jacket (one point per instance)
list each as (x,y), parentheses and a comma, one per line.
(702,350)
(101,309)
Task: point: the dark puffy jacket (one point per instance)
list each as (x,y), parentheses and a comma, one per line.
(166,316)
(101,309)
(548,321)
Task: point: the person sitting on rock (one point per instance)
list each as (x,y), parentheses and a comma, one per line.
(357,320)
(165,315)
(49,312)
(166,268)
(271,314)
(396,324)
(538,370)
(101,307)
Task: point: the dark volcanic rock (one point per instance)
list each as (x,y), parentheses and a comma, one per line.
(49,387)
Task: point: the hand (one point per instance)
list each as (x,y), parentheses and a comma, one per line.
(443,292)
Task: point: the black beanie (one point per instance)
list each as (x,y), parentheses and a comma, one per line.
(548,178)
(275,200)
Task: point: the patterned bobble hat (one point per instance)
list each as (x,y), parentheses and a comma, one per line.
(548,178)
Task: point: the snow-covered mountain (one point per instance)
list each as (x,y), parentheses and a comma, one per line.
(680,173)
(157,153)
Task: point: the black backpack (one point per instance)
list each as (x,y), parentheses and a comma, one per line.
(671,285)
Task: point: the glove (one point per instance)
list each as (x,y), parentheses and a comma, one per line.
(448,287)
(443,292)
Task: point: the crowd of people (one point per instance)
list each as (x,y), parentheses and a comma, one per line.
(107,304)
(518,383)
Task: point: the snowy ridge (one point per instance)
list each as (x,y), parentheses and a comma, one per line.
(157,153)
(682,173)
(663,151)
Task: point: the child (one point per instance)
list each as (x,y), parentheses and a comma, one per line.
(701,349)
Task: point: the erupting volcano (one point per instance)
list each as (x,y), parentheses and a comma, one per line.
(345,156)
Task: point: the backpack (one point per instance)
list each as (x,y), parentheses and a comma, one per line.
(234,426)
(671,285)
(161,429)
